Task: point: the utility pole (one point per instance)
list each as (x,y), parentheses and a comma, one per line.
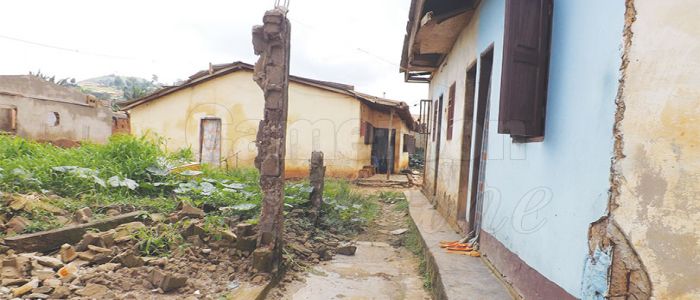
(272,42)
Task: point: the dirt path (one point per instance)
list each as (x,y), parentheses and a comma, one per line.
(382,268)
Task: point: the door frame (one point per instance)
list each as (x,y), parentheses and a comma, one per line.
(438,133)
(480,140)
(201,137)
(466,147)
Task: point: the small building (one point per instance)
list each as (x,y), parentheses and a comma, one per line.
(36,109)
(216,113)
(563,138)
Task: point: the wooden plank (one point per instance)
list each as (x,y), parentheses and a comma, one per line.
(45,241)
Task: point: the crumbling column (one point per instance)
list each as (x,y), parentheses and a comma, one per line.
(271,42)
(317,175)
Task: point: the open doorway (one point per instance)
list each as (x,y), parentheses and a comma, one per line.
(379,150)
(480,141)
(465,159)
(210,141)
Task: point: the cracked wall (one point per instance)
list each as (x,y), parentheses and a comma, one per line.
(654,212)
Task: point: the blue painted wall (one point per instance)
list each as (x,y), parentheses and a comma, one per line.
(543,196)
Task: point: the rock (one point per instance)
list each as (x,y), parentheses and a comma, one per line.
(127,229)
(247,243)
(17,224)
(157,218)
(106,238)
(190,211)
(38,296)
(167,281)
(14,281)
(87,255)
(68,253)
(96,249)
(42,290)
(300,249)
(82,215)
(326,255)
(193,229)
(51,282)
(34,283)
(43,274)
(60,292)
(130,260)
(11,268)
(113,212)
(92,290)
(89,238)
(108,267)
(228,235)
(195,241)
(206,251)
(399,231)
(67,272)
(346,249)
(244,230)
(51,262)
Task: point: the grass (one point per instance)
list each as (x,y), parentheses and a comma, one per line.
(413,241)
(135,172)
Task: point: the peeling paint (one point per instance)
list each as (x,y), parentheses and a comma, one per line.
(595,274)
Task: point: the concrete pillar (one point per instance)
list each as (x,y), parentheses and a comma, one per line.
(271,42)
(317,175)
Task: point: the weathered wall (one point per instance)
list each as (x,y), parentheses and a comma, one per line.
(453,71)
(659,170)
(542,196)
(37,103)
(318,120)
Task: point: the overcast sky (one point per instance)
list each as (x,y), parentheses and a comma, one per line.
(355,42)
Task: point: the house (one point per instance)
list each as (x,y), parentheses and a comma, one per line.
(36,109)
(564,140)
(216,113)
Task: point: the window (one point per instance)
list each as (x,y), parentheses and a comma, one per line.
(451,111)
(525,69)
(8,119)
(409,143)
(53,119)
(368,133)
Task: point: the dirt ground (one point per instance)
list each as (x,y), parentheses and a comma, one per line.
(382,267)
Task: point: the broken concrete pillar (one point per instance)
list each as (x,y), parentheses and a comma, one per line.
(271,42)
(317,175)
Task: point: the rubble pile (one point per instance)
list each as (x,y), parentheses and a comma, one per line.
(114,264)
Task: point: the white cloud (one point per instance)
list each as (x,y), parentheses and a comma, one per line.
(354,42)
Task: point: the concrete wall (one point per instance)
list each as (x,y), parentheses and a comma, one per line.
(541,197)
(318,120)
(659,172)
(453,71)
(39,102)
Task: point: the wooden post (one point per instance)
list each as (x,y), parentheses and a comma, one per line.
(317,174)
(271,42)
(389,153)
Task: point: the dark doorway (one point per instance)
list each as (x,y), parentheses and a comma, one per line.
(480,141)
(379,150)
(438,131)
(467,126)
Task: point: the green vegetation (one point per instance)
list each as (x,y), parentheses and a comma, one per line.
(411,239)
(137,173)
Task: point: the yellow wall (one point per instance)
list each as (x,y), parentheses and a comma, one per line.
(659,208)
(318,120)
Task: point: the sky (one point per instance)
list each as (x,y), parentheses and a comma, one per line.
(354,42)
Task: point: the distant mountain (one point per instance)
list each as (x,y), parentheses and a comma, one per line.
(117,89)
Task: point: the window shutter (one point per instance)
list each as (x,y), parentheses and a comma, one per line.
(525,68)
(451,111)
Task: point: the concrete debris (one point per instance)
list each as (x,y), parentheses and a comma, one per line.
(51,262)
(32,284)
(346,249)
(93,290)
(82,215)
(68,253)
(399,231)
(130,260)
(38,296)
(61,292)
(43,290)
(167,281)
(189,211)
